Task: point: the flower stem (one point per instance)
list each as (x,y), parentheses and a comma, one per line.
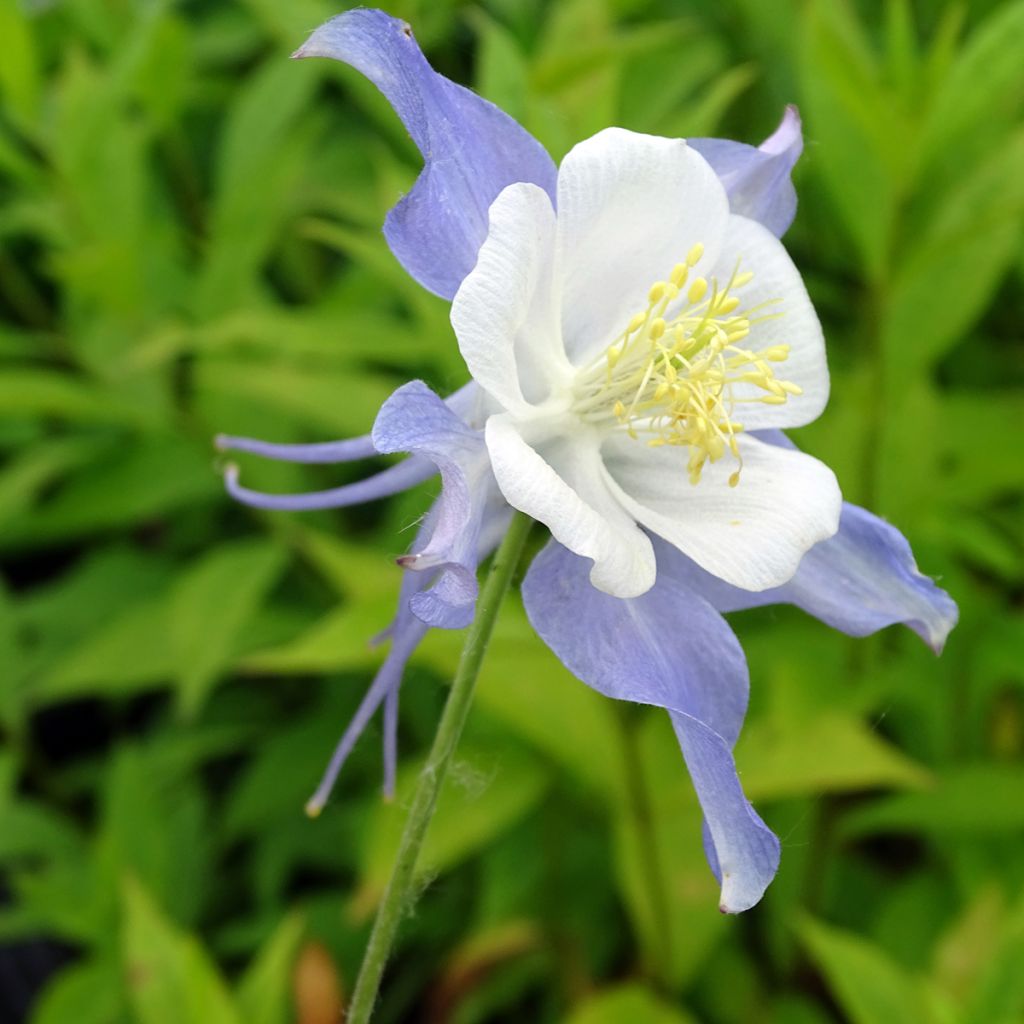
(638,797)
(398,894)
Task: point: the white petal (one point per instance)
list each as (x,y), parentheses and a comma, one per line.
(752,535)
(775,278)
(573,501)
(630,207)
(504,313)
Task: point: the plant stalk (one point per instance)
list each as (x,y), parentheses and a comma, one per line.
(399,892)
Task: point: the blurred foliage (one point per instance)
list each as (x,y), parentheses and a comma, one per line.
(190,243)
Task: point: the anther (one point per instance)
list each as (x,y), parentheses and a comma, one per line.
(698,290)
(694,255)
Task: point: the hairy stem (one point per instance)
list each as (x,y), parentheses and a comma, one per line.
(399,892)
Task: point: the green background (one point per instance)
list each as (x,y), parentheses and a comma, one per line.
(190,243)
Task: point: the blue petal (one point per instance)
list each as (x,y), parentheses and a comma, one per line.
(858,581)
(668,648)
(757,179)
(405,633)
(471,149)
(387,482)
(330,452)
(415,420)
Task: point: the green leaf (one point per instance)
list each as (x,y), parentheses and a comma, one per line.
(25,392)
(209,607)
(259,161)
(154,829)
(864,148)
(340,640)
(901,47)
(985,86)
(151,477)
(969,946)
(19,70)
(998,997)
(10,689)
(86,993)
(973,240)
(828,752)
(631,1003)
(502,74)
(975,474)
(981,799)
(131,653)
(311,394)
(171,978)
(66,899)
(264,993)
(869,987)
(38,467)
(30,831)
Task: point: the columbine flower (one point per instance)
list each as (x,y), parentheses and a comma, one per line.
(629,344)
(634,357)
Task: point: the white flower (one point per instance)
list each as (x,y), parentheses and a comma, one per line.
(628,346)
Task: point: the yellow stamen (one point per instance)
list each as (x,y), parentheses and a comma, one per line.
(679,274)
(670,378)
(697,290)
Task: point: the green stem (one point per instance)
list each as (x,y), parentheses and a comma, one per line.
(629,719)
(398,894)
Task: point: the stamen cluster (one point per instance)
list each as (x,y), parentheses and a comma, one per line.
(669,377)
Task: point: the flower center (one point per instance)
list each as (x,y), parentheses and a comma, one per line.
(670,376)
